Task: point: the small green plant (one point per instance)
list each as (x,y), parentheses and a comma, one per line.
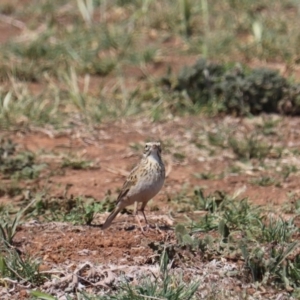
(197,200)
(208,203)
(276,230)
(249,147)
(217,139)
(24,270)
(17,165)
(206,176)
(265,181)
(184,238)
(240,214)
(82,213)
(164,286)
(8,228)
(179,156)
(228,215)
(205,223)
(268,127)
(90,210)
(12,264)
(235,169)
(287,170)
(273,263)
(77,164)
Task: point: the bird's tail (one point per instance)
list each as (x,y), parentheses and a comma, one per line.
(110,218)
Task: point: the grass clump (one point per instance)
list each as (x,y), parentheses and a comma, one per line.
(8,227)
(77,163)
(23,269)
(17,165)
(265,181)
(13,264)
(276,230)
(248,147)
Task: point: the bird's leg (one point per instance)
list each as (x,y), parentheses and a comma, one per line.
(136,215)
(143,212)
(148,226)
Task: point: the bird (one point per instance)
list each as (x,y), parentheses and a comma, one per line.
(142,184)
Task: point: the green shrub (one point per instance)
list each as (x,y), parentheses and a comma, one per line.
(237,90)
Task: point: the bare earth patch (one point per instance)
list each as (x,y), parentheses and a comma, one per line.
(86,258)
(114,148)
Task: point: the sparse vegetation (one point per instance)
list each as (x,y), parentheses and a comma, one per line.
(76,71)
(248,147)
(17,165)
(76,163)
(266,244)
(22,269)
(73,53)
(164,286)
(14,265)
(265,181)
(80,210)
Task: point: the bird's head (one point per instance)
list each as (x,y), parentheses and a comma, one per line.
(153,149)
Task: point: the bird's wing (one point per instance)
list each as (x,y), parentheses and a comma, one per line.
(130,181)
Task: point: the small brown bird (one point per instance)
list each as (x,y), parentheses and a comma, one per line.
(142,184)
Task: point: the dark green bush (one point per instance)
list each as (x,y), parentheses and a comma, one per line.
(238,90)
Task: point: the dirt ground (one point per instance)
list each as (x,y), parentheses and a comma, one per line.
(110,149)
(114,148)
